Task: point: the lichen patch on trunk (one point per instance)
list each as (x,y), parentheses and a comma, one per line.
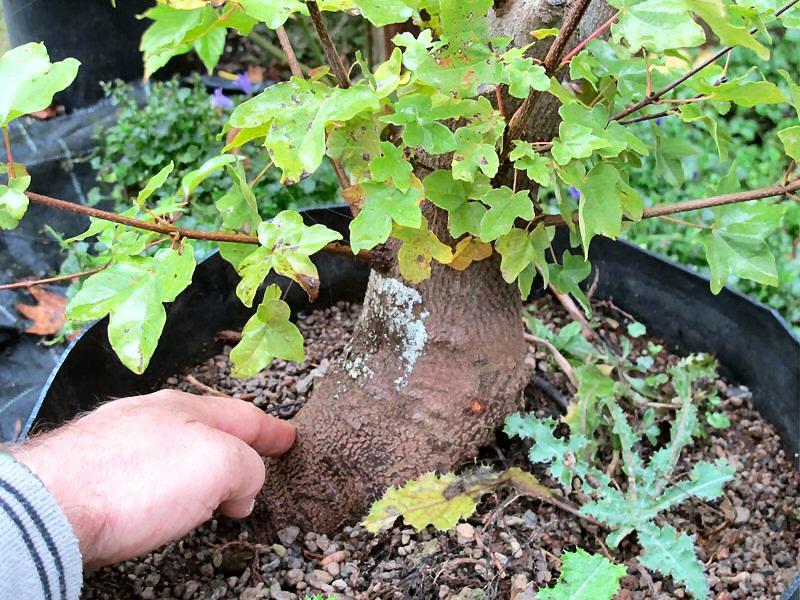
(397,308)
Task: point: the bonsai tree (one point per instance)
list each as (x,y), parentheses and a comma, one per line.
(485,129)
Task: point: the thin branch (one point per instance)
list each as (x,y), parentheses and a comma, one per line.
(334,60)
(648,100)
(516,126)
(291,57)
(698,204)
(660,115)
(172,230)
(271,48)
(207,389)
(29,283)
(576,313)
(599,31)
(12,171)
(562,362)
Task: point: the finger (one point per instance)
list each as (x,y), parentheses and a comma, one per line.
(268,435)
(247,478)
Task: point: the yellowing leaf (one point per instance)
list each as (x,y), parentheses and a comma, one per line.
(422,502)
(468,251)
(420,246)
(442,501)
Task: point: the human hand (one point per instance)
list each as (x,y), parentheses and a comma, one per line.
(139,472)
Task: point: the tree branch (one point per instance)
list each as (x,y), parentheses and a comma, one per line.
(334,60)
(698,204)
(597,32)
(291,57)
(172,230)
(648,100)
(516,126)
(29,283)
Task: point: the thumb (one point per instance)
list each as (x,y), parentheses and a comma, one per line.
(247,475)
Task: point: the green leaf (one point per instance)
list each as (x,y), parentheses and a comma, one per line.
(267,335)
(718,16)
(568,275)
(505,207)
(420,125)
(535,165)
(154,183)
(749,93)
(298,112)
(736,244)
(636,330)
(355,144)
(273,13)
(519,249)
(387,76)
(210,47)
(522,75)
(670,553)
(546,448)
(177,30)
(13,201)
(392,166)
(385,12)
(383,205)
(462,60)
(30,80)
(291,242)
(192,179)
(790,137)
(253,269)
(132,291)
(600,205)
(584,576)
(658,25)
(706,483)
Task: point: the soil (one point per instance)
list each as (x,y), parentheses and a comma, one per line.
(748,539)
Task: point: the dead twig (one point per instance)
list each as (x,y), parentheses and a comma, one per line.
(562,362)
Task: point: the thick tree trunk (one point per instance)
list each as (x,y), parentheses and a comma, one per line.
(428,377)
(430,374)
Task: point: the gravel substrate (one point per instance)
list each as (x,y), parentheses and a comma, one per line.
(748,539)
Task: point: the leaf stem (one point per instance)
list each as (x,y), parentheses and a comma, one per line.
(334,60)
(172,230)
(12,170)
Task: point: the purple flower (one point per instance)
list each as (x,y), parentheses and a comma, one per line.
(220,100)
(243,81)
(574,193)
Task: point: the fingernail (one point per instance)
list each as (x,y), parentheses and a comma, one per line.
(252,507)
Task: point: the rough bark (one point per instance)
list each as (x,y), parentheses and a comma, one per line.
(429,376)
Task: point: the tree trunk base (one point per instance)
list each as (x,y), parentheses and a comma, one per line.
(428,378)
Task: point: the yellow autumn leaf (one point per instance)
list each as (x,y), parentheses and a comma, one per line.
(468,251)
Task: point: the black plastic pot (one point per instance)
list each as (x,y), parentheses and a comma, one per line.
(105,39)
(753,344)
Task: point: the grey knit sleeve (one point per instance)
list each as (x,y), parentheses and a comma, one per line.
(39,554)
